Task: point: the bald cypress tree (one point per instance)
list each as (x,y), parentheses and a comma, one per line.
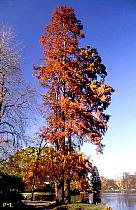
(74,77)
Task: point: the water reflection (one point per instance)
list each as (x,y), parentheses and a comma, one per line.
(120,201)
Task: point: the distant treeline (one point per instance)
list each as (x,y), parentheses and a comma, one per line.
(126,182)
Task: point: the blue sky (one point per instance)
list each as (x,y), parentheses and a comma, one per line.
(110,26)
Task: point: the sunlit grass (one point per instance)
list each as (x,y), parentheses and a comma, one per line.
(80,206)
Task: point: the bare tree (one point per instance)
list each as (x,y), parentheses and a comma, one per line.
(15,94)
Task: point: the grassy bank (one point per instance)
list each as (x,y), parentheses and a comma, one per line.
(73,206)
(80,206)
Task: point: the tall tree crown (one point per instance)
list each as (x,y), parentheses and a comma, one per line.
(74,76)
(60,41)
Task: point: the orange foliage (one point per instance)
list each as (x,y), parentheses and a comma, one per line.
(55,166)
(74,78)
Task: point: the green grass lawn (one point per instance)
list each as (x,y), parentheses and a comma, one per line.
(80,206)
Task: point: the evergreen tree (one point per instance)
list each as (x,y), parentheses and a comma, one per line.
(96,185)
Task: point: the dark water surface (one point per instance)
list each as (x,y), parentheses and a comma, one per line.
(120,201)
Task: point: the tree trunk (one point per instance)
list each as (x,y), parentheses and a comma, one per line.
(63,192)
(33,187)
(69,180)
(68,189)
(57,197)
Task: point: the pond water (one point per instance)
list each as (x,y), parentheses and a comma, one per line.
(120,201)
